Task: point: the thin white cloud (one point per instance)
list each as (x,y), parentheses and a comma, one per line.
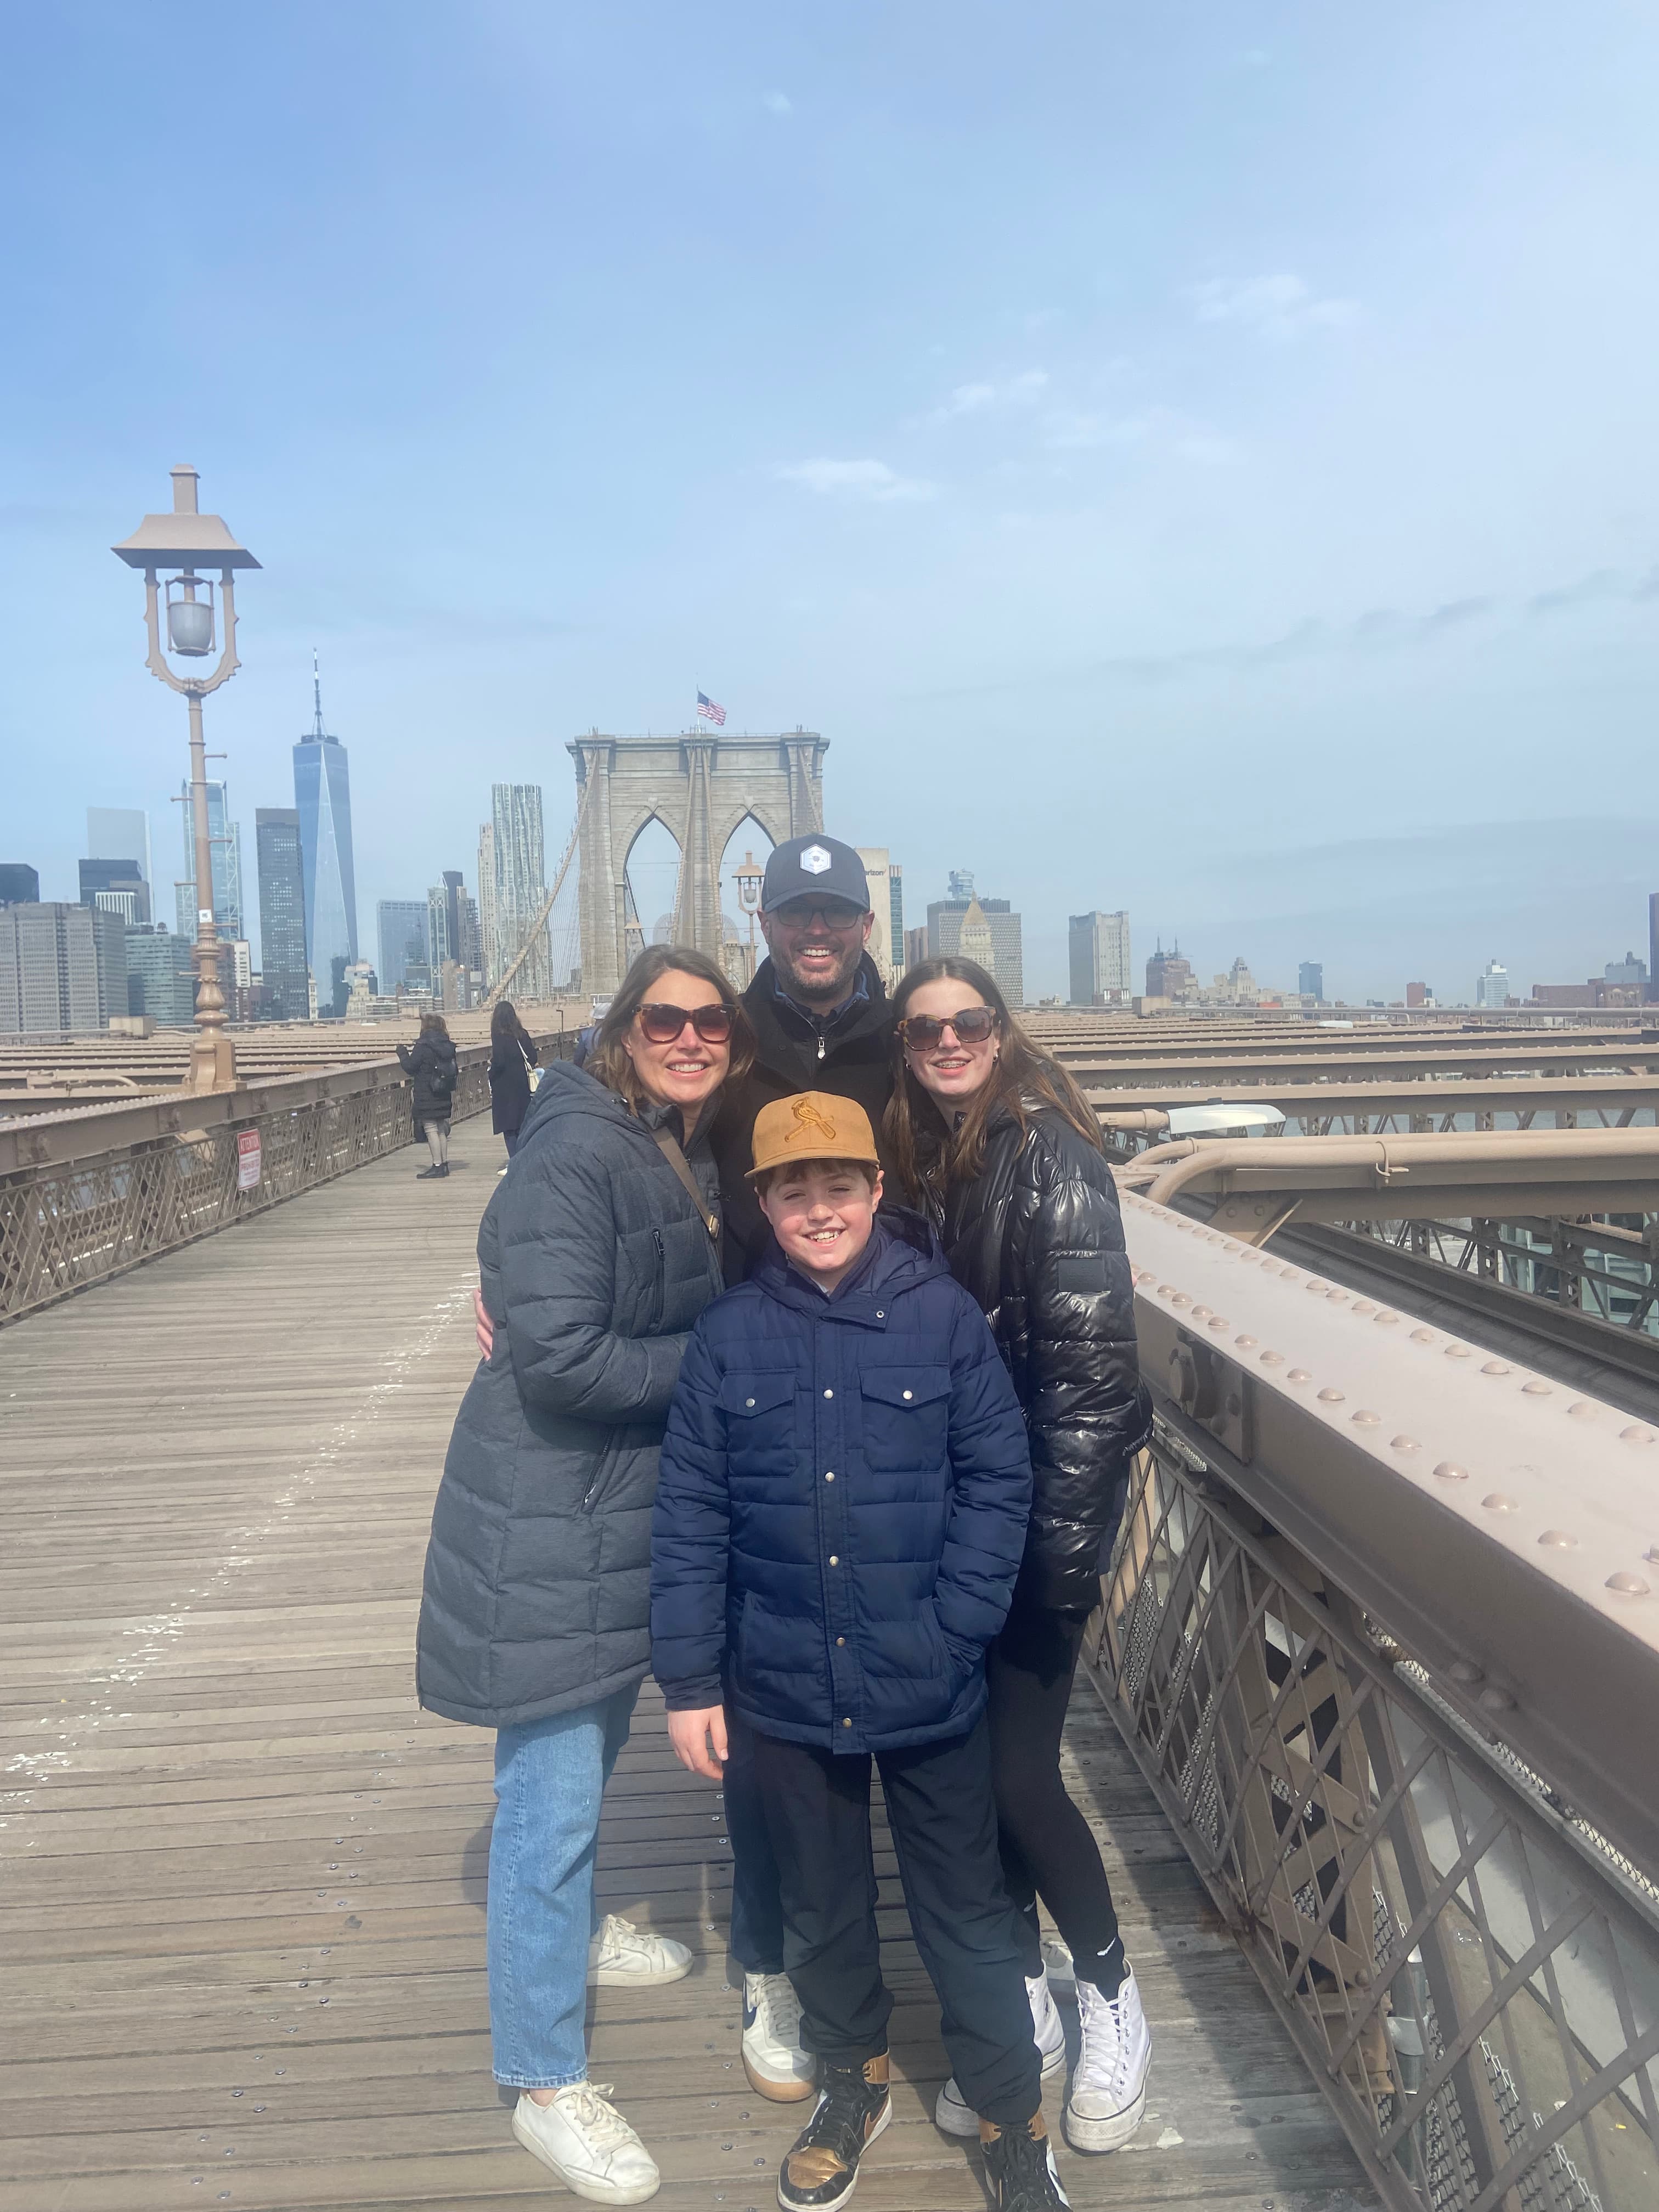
(972,398)
(1280,307)
(778,103)
(870,482)
(1070,431)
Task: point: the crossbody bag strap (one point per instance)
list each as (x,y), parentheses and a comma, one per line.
(682,1167)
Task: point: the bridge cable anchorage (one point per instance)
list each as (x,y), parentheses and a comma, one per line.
(545,909)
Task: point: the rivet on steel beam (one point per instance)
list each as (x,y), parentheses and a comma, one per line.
(1422,1336)
(1291,1274)
(1559,1539)
(1404,1443)
(1536,1389)
(1496,1701)
(1495,1502)
(1494,1367)
(1364,1306)
(1636,1434)
(1457,1352)
(1582,1411)
(1388,1319)
(1627,1585)
(1180,1298)
(1330,1397)
(1146,1274)
(1318,1289)
(1450,1471)
(1297,1375)
(1245,1343)
(1273,1359)
(1314,1284)
(1166,1289)
(1367,1419)
(1200,1313)
(1250,1258)
(1466,1671)
(1219,1321)
(1337,1298)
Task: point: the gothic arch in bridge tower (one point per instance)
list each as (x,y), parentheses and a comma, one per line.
(700,788)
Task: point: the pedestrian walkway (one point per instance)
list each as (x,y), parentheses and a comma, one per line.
(241,1877)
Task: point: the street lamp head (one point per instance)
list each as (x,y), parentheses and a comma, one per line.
(184,539)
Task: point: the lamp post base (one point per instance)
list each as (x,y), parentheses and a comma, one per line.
(212,1061)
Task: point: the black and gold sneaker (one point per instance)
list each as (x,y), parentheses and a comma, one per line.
(1019,2165)
(821,2169)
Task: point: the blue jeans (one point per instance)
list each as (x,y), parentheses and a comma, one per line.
(550,1776)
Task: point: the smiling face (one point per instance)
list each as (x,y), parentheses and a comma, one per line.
(822,1213)
(818,945)
(953,1069)
(686,1071)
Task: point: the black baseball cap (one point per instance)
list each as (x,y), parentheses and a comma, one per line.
(816,867)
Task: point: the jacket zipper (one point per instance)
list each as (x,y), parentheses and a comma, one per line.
(659,1288)
(820,1044)
(593,1490)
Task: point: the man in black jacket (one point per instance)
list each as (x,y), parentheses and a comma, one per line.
(819,1011)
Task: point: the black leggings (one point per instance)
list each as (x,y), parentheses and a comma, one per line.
(1047,1846)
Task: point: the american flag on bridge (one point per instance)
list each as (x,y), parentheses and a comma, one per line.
(709,710)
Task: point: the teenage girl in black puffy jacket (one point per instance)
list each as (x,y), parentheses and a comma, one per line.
(995,1139)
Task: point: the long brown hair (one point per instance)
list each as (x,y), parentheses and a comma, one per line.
(1024,1078)
(610,1062)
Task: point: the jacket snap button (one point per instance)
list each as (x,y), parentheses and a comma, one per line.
(910,1394)
(847,1723)
(750,1403)
(880,1314)
(835,1559)
(828,1394)
(840,1640)
(828,1474)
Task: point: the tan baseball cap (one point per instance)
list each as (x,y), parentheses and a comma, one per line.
(812,1126)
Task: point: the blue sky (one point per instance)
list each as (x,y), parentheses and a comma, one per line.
(1145,441)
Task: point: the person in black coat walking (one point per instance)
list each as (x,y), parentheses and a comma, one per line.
(512,1055)
(996,1140)
(431,1063)
(597,1253)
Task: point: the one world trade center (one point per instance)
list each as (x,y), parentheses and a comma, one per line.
(322,793)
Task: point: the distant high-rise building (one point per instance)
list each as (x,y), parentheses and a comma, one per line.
(885,948)
(1492,988)
(120,830)
(1629,974)
(470,940)
(62,967)
(227,858)
(1311,980)
(1418,994)
(1099,947)
(117,886)
(1653,943)
(521,887)
(161,976)
(1168,973)
(974,938)
(947,918)
(401,928)
(284,964)
(20,884)
(488,947)
(322,794)
(915,946)
(896,912)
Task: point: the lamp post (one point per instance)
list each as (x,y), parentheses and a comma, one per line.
(749,879)
(169,549)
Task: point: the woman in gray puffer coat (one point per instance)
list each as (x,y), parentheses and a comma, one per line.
(597,1252)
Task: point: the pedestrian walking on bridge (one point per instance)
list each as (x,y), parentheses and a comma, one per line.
(430,1064)
(996,1141)
(597,1253)
(514,1074)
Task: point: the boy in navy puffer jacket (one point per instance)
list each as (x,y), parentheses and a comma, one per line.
(841,1516)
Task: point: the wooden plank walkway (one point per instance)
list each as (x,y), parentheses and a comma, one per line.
(242,1878)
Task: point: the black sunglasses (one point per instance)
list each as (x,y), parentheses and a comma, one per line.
(921,1032)
(663,1025)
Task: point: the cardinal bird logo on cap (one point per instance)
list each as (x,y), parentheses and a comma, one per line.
(814,860)
(807,1116)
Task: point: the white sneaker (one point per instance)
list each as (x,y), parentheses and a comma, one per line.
(772,2059)
(1057,1964)
(622,1956)
(953,2113)
(1109,2089)
(588,2144)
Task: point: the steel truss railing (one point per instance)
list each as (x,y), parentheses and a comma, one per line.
(1603,1268)
(1470,1970)
(71,1222)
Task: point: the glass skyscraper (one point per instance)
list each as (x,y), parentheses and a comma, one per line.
(322,793)
(227,837)
(281,912)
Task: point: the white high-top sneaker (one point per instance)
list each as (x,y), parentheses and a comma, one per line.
(585,2140)
(772,2059)
(952,2112)
(1109,2088)
(622,1956)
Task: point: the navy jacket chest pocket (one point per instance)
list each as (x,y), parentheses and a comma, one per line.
(906,1417)
(759,1415)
